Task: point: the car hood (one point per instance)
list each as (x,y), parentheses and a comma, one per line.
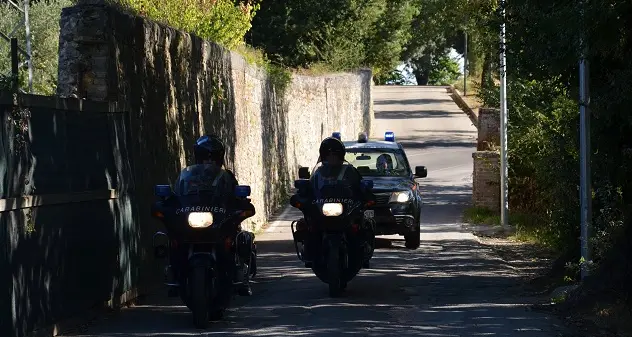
(390,184)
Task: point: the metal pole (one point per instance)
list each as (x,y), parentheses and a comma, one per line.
(465,68)
(15,62)
(504,195)
(27,27)
(584,155)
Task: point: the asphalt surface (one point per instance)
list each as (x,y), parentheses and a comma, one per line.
(450,286)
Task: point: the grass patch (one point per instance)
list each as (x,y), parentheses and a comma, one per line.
(481,216)
(527,226)
(472,85)
(279,76)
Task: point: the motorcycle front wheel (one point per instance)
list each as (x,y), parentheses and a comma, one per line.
(199,298)
(333,271)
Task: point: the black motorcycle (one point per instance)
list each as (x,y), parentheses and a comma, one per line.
(337,231)
(200,244)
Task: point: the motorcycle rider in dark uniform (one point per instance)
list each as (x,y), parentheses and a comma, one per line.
(332,155)
(210,150)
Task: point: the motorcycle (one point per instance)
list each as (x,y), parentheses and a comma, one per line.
(339,229)
(201,247)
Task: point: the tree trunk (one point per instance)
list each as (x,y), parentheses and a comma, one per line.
(486,74)
(422,77)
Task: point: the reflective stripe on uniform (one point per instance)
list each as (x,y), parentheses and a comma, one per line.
(217,178)
(342,172)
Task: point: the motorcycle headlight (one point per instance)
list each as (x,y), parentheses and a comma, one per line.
(332,209)
(200,219)
(400,196)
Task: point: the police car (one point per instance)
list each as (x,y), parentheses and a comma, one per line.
(398,207)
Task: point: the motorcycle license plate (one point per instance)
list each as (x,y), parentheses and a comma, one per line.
(369,214)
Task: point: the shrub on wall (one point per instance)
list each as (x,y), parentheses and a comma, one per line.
(222,21)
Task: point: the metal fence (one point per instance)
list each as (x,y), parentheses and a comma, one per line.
(67,213)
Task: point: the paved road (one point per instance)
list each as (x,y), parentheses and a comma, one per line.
(450,286)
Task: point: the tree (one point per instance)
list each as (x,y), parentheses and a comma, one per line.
(341,35)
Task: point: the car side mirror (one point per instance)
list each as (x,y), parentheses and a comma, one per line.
(421,172)
(242,191)
(303,173)
(367,185)
(162,191)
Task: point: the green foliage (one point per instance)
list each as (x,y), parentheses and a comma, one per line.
(222,21)
(444,71)
(340,35)
(543,52)
(394,77)
(44,24)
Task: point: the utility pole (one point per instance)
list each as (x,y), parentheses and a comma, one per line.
(22,7)
(465,67)
(504,171)
(584,153)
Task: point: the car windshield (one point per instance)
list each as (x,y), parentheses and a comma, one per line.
(195,179)
(378,162)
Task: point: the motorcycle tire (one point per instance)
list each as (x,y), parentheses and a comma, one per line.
(253,265)
(413,240)
(199,298)
(333,271)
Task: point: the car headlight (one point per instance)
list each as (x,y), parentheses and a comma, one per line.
(332,209)
(200,219)
(400,196)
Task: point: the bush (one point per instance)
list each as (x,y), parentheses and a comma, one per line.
(44,24)
(221,21)
(543,157)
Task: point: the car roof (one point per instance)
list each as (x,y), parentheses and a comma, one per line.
(371,144)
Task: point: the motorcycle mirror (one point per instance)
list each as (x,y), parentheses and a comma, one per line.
(367,184)
(242,191)
(162,191)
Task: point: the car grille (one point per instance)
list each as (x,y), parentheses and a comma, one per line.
(382,198)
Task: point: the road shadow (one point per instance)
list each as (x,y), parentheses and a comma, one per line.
(414,101)
(444,288)
(407,114)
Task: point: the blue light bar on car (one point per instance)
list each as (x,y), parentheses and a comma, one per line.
(389,136)
(336,135)
(362,137)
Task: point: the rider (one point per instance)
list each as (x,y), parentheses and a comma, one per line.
(332,155)
(210,150)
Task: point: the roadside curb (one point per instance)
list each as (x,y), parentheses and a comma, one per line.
(88,317)
(458,99)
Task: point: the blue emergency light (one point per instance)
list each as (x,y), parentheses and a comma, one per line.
(336,135)
(389,136)
(362,137)
(242,191)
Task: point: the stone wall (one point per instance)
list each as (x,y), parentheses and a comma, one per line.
(178,87)
(486,180)
(486,176)
(488,129)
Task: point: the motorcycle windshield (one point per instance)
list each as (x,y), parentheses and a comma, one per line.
(196,179)
(201,188)
(330,186)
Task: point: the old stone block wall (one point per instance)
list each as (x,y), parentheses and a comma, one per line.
(486,171)
(486,180)
(178,86)
(488,129)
